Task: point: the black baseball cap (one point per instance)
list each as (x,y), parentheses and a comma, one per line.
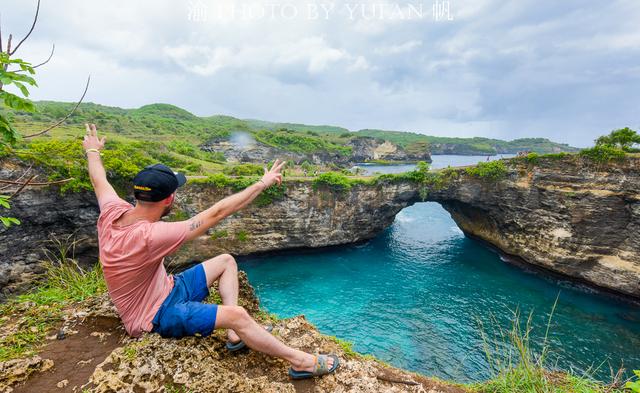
(156,182)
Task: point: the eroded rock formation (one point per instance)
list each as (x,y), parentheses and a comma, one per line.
(363,149)
(566,215)
(570,216)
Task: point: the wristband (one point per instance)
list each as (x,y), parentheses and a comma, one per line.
(92,150)
(262,181)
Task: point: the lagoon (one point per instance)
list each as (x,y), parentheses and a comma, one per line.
(416,295)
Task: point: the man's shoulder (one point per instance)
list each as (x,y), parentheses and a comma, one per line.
(112,209)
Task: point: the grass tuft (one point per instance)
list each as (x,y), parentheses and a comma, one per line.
(518,368)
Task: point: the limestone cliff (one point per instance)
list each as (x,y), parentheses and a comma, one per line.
(567,215)
(363,149)
(368,148)
(253,151)
(304,217)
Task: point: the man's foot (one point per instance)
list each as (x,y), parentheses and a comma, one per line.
(232,337)
(308,363)
(322,365)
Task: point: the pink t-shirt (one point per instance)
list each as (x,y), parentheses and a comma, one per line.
(132,261)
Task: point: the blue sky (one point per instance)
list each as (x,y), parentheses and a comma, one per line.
(567,70)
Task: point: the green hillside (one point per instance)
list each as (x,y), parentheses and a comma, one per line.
(476,145)
(166,133)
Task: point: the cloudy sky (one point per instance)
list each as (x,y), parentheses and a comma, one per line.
(567,70)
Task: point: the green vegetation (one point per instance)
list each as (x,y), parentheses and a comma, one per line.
(291,140)
(335,181)
(21,77)
(603,154)
(64,158)
(166,133)
(242,235)
(477,145)
(7,221)
(518,368)
(219,234)
(244,170)
(219,180)
(492,170)
(178,215)
(613,146)
(345,345)
(634,386)
(623,139)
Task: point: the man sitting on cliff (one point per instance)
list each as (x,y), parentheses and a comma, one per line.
(133,243)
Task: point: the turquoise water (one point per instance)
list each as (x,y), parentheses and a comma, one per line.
(413,296)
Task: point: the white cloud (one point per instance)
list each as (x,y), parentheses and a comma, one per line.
(396,49)
(514,69)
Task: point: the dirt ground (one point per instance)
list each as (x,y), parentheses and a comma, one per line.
(75,357)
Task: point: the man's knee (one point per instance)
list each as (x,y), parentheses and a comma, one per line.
(229,260)
(239,316)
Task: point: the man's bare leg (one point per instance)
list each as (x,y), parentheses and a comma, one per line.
(254,335)
(224,269)
(236,319)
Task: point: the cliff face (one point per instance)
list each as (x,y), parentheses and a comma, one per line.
(564,215)
(305,217)
(49,220)
(253,151)
(363,149)
(368,148)
(567,215)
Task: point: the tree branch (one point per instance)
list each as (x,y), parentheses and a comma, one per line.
(22,186)
(0,33)
(35,20)
(51,127)
(53,48)
(2,181)
(19,177)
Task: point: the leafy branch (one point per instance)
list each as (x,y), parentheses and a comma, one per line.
(18,73)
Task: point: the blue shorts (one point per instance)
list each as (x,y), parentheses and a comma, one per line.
(183,313)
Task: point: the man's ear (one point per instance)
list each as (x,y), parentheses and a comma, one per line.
(169,200)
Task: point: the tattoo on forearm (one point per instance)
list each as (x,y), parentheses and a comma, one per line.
(195,225)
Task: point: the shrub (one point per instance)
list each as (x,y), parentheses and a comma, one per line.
(65,159)
(492,170)
(219,180)
(242,235)
(244,170)
(296,142)
(219,234)
(603,153)
(333,180)
(531,158)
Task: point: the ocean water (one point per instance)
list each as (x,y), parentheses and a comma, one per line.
(417,295)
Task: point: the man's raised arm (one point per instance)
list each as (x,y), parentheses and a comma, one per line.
(92,146)
(199,224)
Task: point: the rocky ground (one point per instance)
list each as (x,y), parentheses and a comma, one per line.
(196,364)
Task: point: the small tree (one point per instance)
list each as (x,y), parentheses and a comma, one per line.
(623,138)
